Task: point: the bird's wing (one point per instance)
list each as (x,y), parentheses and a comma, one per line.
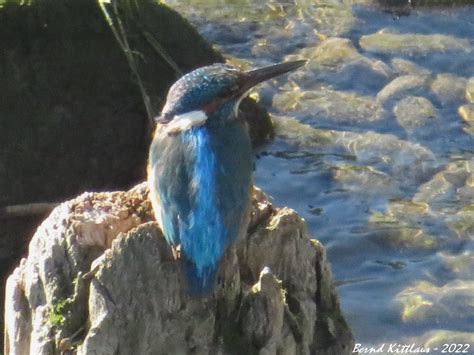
(234,151)
(168,181)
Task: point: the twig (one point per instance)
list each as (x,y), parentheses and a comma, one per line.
(158,48)
(121,36)
(29,209)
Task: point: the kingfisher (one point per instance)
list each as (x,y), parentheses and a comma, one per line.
(200,166)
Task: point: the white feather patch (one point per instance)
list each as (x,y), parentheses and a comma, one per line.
(186,121)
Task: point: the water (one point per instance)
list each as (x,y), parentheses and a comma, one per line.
(371,150)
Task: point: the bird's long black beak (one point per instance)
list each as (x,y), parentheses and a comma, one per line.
(256,76)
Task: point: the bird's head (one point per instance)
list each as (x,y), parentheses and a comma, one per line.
(213,93)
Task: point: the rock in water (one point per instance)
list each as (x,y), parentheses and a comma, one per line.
(411,43)
(100,279)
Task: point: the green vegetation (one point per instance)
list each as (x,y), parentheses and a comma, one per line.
(57,315)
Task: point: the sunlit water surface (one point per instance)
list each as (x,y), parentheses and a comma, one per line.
(371,150)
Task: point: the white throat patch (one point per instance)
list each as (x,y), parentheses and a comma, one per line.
(186,121)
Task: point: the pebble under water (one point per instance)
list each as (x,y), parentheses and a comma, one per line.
(374,148)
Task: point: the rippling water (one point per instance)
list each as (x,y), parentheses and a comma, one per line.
(374,149)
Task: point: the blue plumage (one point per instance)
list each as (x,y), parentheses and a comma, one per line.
(200,167)
(203,239)
(203,178)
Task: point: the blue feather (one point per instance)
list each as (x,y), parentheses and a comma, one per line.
(204,235)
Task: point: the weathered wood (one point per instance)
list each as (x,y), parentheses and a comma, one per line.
(275,293)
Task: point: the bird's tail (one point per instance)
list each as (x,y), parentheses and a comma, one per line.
(200,280)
